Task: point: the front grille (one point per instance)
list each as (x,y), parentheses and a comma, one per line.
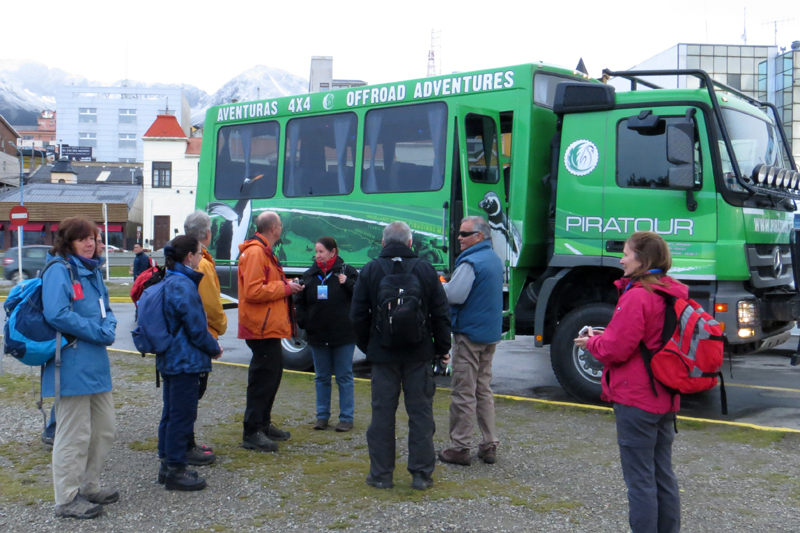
(761,261)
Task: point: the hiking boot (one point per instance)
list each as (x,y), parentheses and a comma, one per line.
(343,426)
(162,473)
(372,482)
(78,508)
(321,423)
(104,496)
(421,482)
(178,478)
(489,455)
(455,457)
(260,442)
(198,457)
(277,434)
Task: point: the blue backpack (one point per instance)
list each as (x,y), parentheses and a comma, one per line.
(152,334)
(27,335)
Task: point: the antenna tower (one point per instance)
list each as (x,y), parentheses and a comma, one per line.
(775,25)
(434,64)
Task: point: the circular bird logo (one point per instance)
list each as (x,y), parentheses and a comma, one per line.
(581,157)
(327,102)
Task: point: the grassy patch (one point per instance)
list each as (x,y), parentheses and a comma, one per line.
(25,475)
(150,444)
(16,387)
(692,424)
(760,439)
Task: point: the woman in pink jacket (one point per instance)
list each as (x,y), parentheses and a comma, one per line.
(645,418)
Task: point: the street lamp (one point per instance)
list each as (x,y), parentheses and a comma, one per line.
(21,189)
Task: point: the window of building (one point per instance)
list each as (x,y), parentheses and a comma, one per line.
(482,148)
(247,161)
(127,141)
(127,160)
(127,116)
(87,139)
(642,156)
(320,155)
(162,175)
(87,114)
(404,148)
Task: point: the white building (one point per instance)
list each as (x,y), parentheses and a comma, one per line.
(112,120)
(169,180)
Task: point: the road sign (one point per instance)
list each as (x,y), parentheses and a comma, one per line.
(18,215)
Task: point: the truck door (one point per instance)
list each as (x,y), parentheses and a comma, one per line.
(483,189)
(638,195)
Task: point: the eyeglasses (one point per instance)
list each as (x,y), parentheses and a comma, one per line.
(466,234)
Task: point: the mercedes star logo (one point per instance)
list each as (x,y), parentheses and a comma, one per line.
(777,262)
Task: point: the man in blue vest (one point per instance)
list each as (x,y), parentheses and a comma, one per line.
(475,294)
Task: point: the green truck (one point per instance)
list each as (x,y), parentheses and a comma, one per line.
(563,166)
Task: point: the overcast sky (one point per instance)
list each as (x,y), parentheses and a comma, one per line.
(208,43)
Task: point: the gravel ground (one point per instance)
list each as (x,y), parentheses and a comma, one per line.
(557,470)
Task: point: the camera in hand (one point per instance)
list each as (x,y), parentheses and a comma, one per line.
(440,368)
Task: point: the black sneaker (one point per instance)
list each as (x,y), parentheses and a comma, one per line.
(199,457)
(162,473)
(178,478)
(78,508)
(372,482)
(260,442)
(277,434)
(421,482)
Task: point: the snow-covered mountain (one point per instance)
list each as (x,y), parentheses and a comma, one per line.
(27,87)
(257,83)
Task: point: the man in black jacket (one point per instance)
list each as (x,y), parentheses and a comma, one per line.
(141,261)
(407,367)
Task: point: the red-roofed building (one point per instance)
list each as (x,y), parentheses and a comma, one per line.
(170,180)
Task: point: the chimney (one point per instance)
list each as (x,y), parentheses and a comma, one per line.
(63,172)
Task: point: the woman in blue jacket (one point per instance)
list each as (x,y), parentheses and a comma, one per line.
(188,356)
(85,411)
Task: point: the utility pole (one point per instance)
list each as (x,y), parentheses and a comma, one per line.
(434,61)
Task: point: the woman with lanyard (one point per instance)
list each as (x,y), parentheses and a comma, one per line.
(323,310)
(645,417)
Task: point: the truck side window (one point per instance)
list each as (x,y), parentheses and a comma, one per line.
(481,148)
(642,157)
(247,161)
(404,148)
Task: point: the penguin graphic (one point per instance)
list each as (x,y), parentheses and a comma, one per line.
(504,235)
(233,231)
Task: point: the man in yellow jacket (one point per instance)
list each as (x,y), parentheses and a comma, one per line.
(266,315)
(198,225)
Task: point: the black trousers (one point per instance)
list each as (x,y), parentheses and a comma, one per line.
(416,381)
(263,380)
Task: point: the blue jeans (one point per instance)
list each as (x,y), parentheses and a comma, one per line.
(178,415)
(645,449)
(329,360)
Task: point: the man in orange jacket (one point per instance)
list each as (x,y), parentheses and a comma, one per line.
(266,316)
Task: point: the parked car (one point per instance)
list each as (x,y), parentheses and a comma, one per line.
(34,258)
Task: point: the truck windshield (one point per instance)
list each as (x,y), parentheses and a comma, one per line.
(754,141)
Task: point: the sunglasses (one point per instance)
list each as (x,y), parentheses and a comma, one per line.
(466,234)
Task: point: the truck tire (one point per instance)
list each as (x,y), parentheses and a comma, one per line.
(577,370)
(297,352)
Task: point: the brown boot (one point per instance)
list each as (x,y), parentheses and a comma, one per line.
(489,455)
(455,457)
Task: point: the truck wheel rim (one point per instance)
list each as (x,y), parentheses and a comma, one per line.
(588,367)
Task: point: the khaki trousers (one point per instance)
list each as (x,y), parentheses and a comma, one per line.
(84,435)
(472,393)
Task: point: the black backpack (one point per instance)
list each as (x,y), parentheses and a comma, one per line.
(401,315)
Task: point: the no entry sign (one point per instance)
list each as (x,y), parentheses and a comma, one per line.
(18,216)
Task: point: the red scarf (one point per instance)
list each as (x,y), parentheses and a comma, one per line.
(325,266)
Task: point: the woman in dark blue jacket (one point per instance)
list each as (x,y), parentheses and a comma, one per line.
(188,356)
(75,302)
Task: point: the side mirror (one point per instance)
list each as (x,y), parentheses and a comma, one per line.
(680,152)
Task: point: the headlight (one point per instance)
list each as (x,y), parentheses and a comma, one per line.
(747,313)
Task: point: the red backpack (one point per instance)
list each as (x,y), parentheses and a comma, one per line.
(691,355)
(149,277)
